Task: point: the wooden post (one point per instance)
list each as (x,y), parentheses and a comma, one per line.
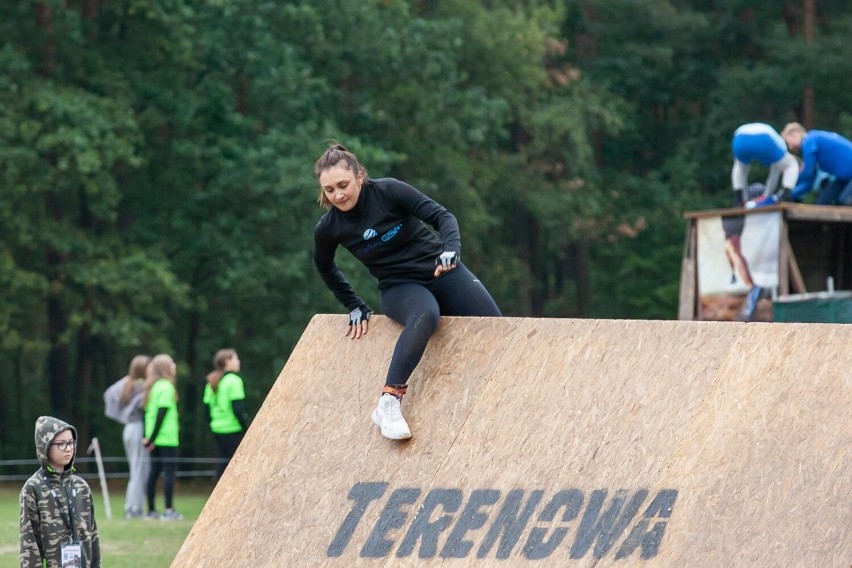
(96,448)
(797,281)
(784,260)
(808,99)
(688,278)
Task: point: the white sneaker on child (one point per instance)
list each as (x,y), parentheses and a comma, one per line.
(388,416)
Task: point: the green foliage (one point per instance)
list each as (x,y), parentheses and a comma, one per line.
(156,184)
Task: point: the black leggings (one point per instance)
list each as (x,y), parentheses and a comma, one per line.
(418,308)
(226,445)
(163,459)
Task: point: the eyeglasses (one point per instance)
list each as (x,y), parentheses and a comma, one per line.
(63,445)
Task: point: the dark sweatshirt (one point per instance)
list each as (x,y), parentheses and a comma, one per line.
(387,231)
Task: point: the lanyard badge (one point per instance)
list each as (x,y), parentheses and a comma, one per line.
(72,555)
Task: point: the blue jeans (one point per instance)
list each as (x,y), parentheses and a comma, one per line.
(839,192)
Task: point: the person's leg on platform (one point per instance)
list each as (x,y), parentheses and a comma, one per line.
(413,307)
(829,194)
(460,293)
(845,197)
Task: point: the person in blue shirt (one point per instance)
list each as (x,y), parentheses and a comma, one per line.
(759,142)
(824,151)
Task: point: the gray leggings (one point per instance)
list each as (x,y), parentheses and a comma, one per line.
(140,466)
(418,308)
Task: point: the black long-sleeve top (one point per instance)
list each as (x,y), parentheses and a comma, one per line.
(387,231)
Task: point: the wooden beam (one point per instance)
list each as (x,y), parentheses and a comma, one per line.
(831,213)
(795,211)
(731,212)
(688,278)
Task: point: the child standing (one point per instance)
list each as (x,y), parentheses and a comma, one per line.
(225,397)
(57,514)
(124,404)
(161,432)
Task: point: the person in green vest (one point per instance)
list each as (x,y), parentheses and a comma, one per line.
(162,432)
(225,397)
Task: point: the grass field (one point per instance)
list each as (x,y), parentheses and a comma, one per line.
(124,544)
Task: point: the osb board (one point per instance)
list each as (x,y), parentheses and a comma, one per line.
(548,442)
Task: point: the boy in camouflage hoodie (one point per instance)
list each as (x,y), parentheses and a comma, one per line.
(56,505)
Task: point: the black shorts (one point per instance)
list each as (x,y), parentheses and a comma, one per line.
(733,225)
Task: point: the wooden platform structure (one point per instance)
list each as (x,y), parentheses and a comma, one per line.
(816,243)
(548,442)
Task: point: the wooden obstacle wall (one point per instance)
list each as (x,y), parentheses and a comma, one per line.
(548,442)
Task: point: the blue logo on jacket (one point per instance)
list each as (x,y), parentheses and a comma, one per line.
(370,233)
(392,233)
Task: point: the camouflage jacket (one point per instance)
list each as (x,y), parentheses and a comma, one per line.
(45,510)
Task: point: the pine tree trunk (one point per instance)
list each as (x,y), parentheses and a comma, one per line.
(808,102)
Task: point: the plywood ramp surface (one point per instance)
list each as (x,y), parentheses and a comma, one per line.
(548,442)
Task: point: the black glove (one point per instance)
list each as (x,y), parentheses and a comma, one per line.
(359,315)
(740,197)
(447,259)
(784,194)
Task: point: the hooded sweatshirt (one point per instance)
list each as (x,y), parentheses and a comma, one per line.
(56,507)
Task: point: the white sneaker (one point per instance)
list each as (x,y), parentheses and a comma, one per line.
(171,515)
(388,416)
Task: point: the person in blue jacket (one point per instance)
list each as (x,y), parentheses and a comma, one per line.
(824,151)
(411,245)
(759,142)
